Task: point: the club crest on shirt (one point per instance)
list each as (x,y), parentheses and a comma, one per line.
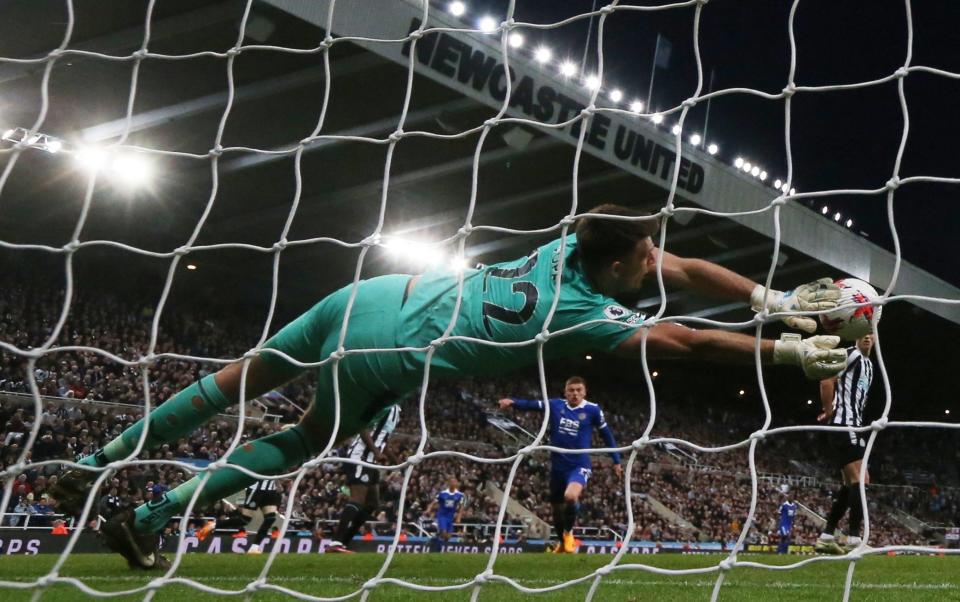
(582,416)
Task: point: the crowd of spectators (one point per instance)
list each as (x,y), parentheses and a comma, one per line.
(709,493)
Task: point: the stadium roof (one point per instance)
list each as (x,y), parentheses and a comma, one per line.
(525,172)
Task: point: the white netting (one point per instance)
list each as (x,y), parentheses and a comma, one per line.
(374,238)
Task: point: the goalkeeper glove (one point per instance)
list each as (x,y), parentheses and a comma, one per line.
(815,355)
(813,296)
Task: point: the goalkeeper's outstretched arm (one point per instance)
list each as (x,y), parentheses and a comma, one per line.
(816,356)
(718,282)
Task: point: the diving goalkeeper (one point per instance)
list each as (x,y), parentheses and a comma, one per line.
(606,259)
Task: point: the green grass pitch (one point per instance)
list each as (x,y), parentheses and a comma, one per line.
(875,578)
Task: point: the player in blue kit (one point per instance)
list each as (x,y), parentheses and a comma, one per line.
(788,511)
(600,269)
(572,421)
(448,506)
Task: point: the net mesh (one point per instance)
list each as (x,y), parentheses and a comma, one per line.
(213,158)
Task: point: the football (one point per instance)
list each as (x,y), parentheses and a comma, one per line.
(851,321)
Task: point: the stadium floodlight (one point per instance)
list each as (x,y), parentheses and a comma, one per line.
(542,54)
(39,141)
(696,139)
(675,130)
(415,252)
(849,223)
(825,210)
(763,176)
(459,263)
(616,95)
(747,166)
(712,148)
(488,24)
(742,392)
(776,184)
(809,402)
(738,162)
(191,266)
(947,412)
(395,245)
(793,191)
(755,171)
(657,118)
(836,216)
(568,69)
(654,374)
(457,9)
(636,106)
(401,247)
(592,82)
(589,357)
(515,40)
(785,188)
(131,169)
(91,158)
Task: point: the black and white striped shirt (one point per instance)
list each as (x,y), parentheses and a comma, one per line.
(264,485)
(850,396)
(252,500)
(384,428)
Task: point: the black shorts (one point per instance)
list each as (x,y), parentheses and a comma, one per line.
(260,499)
(361,475)
(845,448)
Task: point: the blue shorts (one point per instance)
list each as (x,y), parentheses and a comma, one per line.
(560,478)
(785,531)
(444,524)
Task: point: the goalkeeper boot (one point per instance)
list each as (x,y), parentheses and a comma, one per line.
(556,549)
(828,546)
(142,550)
(569,543)
(71,490)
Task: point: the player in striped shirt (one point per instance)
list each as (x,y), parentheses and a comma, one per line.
(364,482)
(844,398)
(572,422)
(261,495)
(584,283)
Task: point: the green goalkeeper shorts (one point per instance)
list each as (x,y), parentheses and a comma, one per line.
(367,382)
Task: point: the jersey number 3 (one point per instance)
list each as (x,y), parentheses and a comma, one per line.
(527,289)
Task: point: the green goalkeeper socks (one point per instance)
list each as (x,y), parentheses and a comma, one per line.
(270,455)
(175,418)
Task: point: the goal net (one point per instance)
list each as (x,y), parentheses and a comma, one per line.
(582,122)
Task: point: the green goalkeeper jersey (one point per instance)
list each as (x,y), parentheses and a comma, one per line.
(509,303)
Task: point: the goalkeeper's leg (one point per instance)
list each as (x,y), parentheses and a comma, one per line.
(367,383)
(133,533)
(177,417)
(302,339)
